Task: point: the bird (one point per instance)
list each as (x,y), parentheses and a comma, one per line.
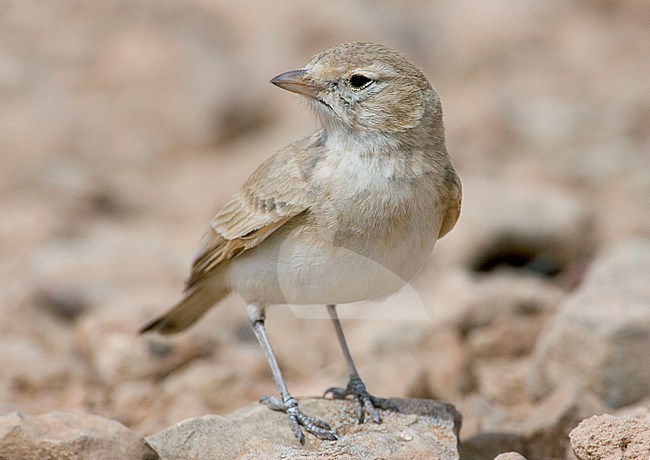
(348,213)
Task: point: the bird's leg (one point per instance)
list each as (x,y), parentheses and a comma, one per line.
(288,403)
(364,402)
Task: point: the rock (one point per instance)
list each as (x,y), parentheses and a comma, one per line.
(421,429)
(58,435)
(609,437)
(510,456)
(540,432)
(601,335)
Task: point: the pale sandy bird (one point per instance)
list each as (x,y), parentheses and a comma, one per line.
(348,213)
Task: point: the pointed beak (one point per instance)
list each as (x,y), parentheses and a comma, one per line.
(298,81)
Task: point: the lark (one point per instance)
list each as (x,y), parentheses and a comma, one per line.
(348,213)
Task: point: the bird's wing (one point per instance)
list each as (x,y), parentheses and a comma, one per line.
(455,191)
(275,193)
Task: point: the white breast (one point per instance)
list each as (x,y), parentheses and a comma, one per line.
(289,269)
(368,236)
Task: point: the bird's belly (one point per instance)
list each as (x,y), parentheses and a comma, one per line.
(290,269)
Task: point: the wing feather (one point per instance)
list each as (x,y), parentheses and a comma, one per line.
(275,193)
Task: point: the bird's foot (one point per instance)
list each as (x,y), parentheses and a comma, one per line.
(297,418)
(364,402)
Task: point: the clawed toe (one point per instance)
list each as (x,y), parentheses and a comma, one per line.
(364,402)
(272,403)
(297,419)
(336,392)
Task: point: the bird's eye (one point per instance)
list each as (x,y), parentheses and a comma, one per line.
(360,81)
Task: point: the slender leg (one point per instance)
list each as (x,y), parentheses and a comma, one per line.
(289,405)
(364,402)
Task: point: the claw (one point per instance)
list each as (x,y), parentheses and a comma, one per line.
(364,402)
(358,409)
(272,403)
(297,419)
(295,427)
(336,392)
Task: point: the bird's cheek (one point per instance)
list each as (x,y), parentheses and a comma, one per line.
(352,118)
(369,117)
(339,111)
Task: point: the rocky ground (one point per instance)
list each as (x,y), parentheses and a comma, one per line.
(125,125)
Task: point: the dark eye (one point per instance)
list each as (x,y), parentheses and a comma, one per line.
(360,81)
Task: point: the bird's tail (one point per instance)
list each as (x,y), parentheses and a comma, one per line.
(195,302)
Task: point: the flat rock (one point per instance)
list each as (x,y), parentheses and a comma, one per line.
(601,336)
(421,429)
(68,435)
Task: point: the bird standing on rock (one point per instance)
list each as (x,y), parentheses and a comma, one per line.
(346,214)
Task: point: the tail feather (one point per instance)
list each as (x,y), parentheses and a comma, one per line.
(187,311)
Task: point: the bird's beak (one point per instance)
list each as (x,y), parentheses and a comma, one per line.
(298,81)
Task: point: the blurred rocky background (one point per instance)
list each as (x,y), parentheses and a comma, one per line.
(124,125)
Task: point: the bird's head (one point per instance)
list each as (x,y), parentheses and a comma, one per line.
(364,89)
